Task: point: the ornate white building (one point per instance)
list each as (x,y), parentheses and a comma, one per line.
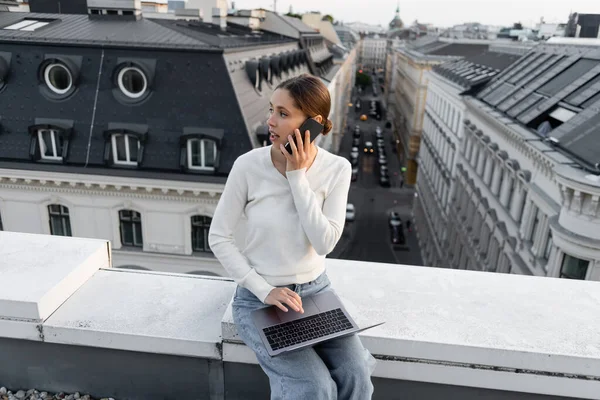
(509,179)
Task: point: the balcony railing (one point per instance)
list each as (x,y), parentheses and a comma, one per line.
(69,322)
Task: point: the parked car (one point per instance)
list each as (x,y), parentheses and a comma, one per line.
(382,160)
(383,170)
(380,142)
(384,181)
(357,106)
(355,142)
(368,148)
(378,131)
(394,219)
(356,134)
(350,212)
(397,235)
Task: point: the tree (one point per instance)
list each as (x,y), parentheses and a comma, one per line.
(329,18)
(362,79)
(290,14)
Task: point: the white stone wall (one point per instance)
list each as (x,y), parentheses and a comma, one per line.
(494,197)
(94,203)
(373,52)
(440,141)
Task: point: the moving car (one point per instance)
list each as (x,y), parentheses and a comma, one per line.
(350,213)
(368,148)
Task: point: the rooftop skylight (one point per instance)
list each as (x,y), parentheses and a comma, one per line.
(28,25)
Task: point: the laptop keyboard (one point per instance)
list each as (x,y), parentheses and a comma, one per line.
(305,329)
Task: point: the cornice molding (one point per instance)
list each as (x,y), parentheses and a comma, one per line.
(111,187)
(544,163)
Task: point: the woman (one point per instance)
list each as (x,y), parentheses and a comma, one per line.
(295,205)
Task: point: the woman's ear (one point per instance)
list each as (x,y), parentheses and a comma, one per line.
(319,119)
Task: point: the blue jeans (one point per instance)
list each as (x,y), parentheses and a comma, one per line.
(335,369)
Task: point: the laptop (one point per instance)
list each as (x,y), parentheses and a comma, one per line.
(324,318)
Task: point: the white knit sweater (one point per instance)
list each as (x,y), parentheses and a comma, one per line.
(292,224)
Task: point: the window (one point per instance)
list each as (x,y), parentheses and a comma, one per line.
(200,228)
(125,149)
(201,154)
(536,224)
(51,144)
(130,223)
(133,82)
(58,78)
(548,248)
(573,268)
(60,223)
(28,25)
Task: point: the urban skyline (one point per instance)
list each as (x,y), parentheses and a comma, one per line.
(438,12)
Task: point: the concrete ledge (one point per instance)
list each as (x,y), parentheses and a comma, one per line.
(529,334)
(39,272)
(149,312)
(483,334)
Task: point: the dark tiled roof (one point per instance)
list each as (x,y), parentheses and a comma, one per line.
(553,90)
(79,29)
(459,49)
(475,70)
(297,24)
(232,36)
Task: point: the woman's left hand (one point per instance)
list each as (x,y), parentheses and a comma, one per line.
(300,157)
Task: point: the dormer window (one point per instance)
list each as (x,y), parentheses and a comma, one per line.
(50,139)
(51,144)
(201,154)
(126,149)
(201,149)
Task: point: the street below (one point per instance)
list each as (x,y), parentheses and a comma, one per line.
(368,237)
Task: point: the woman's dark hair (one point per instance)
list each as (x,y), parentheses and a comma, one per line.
(310,96)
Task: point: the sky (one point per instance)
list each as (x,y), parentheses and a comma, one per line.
(441,13)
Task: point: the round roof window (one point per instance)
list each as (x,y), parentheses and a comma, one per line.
(58,78)
(132,82)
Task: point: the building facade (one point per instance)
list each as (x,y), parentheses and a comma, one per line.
(126,128)
(523,197)
(440,143)
(373,52)
(412,62)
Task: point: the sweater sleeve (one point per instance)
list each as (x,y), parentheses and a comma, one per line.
(220,237)
(323,227)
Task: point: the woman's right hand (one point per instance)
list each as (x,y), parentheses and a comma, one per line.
(280,296)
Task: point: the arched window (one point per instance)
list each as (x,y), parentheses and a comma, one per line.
(60,222)
(130,223)
(200,228)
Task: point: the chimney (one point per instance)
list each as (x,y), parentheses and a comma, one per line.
(219,17)
(206,9)
(115,9)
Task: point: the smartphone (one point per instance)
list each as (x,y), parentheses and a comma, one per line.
(311,125)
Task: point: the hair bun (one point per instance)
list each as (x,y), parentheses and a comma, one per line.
(328,126)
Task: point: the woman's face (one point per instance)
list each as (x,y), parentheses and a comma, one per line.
(284,117)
